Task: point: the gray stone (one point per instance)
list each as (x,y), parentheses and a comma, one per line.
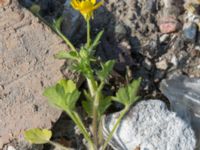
(159,75)
(184,96)
(150,126)
(190,31)
(120,31)
(27,67)
(147,64)
(150,5)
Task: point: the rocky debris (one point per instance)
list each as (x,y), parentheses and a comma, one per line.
(133,38)
(184,96)
(27,67)
(150,125)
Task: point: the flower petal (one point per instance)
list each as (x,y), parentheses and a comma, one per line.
(97,5)
(93,2)
(75,4)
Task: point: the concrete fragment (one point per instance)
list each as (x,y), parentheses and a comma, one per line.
(27,66)
(150,126)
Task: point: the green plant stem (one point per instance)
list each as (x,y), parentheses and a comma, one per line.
(100,132)
(95,117)
(59,145)
(123,112)
(75,117)
(88,34)
(95,121)
(92,86)
(65,39)
(58,32)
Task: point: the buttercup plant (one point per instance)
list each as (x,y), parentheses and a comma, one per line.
(65,94)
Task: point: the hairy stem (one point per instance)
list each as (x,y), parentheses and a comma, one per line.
(75,117)
(95,118)
(92,86)
(58,32)
(59,146)
(93,92)
(123,112)
(88,34)
(95,121)
(65,39)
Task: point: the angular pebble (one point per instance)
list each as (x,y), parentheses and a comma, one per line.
(190,31)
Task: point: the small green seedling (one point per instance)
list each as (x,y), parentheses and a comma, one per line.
(64,95)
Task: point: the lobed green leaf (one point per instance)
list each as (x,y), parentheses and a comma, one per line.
(63,95)
(38,136)
(103,105)
(128,95)
(95,42)
(58,22)
(106,69)
(87,106)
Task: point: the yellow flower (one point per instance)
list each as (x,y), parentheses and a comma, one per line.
(86,7)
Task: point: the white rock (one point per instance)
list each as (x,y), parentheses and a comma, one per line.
(151,126)
(174,60)
(11,148)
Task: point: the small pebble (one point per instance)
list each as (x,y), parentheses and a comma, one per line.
(164,38)
(147,64)
(11,148)
(174,60)
(159,75)
(190,31)
(120,31)
(168,25)
(163,65)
